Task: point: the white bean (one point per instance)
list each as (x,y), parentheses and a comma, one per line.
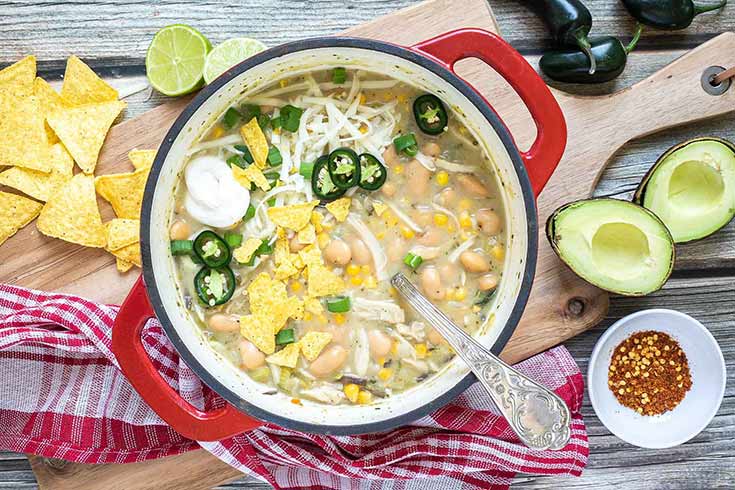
(338,252)
(328,361)
(488,221)
(431,284)
(488,282)
(431,237)
(294,245)
(390,156)
(380,344)
(220,322)
(474,261)
(360,252)
(180,230)
(473,185)
(389,189)
(250,356)
(431,149)
(417,178)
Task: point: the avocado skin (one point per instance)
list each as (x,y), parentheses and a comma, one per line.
(550,236)
(639,194)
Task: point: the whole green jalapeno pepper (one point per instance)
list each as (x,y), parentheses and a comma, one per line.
(668,14)
(571,65)
(569,23)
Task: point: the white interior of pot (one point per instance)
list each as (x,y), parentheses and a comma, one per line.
(228,374)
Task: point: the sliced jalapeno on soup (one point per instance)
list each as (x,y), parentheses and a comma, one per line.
(214,286)
(372,173)
(344,168)
(430,114)
(212,249)
(321,181)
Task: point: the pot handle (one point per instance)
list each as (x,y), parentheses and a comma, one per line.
(546,152)
(184,418)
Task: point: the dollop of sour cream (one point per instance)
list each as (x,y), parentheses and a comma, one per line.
(213,196)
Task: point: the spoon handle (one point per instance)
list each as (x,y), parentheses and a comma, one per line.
(537,415)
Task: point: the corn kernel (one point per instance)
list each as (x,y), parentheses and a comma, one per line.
(449,296)
(465,204)
(322,239)
(307,316)
(370,282)
(420,350)
(356,280)
(402,98)
(407,232)
(353,269)
(363,99)
(460,294)
(364,397)
(385,373)
(464,220)
(328,226)
(398,169)
(381,360)
(380,235)
(323,319)
(352,392)
(296,286)
(339,319)
(365,269)
(394,348)
(392,291)
(440,219)
(283,83)
(442,178)
(498,252)
(217,132)
(451,228)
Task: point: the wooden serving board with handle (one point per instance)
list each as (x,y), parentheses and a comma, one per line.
(561,304)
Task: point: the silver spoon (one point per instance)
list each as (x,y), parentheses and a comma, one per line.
(537,415)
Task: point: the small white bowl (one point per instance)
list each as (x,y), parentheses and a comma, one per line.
(700,404)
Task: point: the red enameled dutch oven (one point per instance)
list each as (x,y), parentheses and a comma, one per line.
(428,65)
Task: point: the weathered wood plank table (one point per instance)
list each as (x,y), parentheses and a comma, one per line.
(112,37)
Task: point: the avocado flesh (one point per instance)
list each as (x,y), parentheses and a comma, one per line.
(615,245)
(692,189)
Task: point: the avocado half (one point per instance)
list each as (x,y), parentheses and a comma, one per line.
(692,188)
(616,245)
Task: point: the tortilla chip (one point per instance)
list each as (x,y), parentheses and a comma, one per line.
(282,251)
(316,220)
(259,331)
(83,129)
(72,214)
(123,191)
(15,212)
(83,86)
(17,79)
(142,158)
(311,255)
(255,141)
(122,265)
(50,101)
(379,208)
(251,175)
(313,343)
(307,235)
(37,184)
(287,357)
(295,308)
(121,233)
(294,216)
(129,253)
(313,305)
(340,208)
(245,252)
(23,141)
(323,282)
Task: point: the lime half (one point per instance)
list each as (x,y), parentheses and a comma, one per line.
(226,55)
(175,59)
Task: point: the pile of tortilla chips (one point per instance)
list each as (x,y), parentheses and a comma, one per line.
(43,133)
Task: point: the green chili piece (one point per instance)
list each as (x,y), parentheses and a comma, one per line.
(182,247)
(406,144)
(249,213)
(245,153)
(339,75)
(306,168)
(233,239)
(212,249)
(285,336)
(276,122)
(249,111)
(412,260)
(668,14)
(339,304)
(237,161)
(264,121)
(290,118)
(274,156)
(230,118)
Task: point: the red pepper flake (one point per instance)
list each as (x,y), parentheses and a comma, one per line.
(649,373)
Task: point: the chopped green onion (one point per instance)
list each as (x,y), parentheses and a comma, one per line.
(264,249)
(264,120)
(230,118)
(306,169)
(291,118)
(271,202)
(285,336)
(339,304)
(182,247)
(233,239)
(412,260)
(245,153)
(237,161)
(249,111)
(406,144)
(276,122)
(274,156)
(339,75)
(249,213)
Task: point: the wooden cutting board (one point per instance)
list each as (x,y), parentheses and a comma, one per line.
(561,304)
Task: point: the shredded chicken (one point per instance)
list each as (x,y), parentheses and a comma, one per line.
(378,310)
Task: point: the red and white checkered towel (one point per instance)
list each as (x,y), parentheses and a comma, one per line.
(62,396)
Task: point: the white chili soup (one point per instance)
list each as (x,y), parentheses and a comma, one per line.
(297,206)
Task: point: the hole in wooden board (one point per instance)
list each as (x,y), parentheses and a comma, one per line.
(502,98)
